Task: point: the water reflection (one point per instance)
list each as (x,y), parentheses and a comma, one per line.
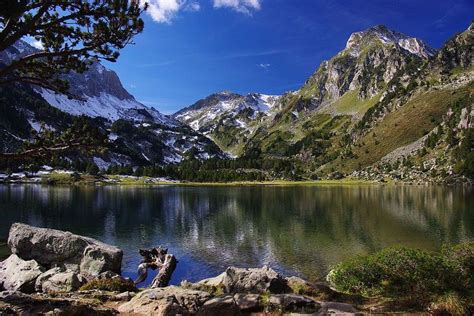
(298,230)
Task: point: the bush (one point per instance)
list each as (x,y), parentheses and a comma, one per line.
(401,272)
(112,285)
(461,259)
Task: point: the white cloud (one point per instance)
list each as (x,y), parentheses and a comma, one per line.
(192,6)
(264,66)
(244,6)
(163,11)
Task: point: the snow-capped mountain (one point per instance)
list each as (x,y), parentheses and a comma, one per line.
(205,113)
(99,93)
(138,134)
(227,113)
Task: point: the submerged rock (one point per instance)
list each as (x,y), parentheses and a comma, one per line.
(51,247)
(260,280)
(17,274)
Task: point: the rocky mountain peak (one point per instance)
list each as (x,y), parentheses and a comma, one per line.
(382,34)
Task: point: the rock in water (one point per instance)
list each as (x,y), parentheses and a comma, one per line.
(19,275)
(51,247)
(237,280)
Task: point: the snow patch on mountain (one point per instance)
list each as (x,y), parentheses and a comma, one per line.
(106,106)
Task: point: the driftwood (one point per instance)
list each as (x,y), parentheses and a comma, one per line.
(156,258)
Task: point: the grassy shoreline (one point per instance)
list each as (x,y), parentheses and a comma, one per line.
(67,179)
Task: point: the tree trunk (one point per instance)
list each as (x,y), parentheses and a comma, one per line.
(163,277)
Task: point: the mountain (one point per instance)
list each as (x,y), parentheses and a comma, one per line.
(229,118)
(374,105)
(137,134)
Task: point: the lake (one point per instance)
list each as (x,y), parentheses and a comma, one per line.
(297,230)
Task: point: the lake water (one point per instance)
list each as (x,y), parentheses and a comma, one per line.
(297,230)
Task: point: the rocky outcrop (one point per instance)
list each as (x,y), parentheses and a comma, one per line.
(17,274)
(50,247)
(52,261)
(237,280)
(174,300)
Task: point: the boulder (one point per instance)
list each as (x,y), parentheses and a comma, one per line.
(337,308)
(57,280)
(124,296)
(17,274)
(293,303)
(51,247)
(260,280)
(218,306)
(170,300)
(248,302)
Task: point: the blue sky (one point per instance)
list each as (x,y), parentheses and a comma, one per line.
(192,48)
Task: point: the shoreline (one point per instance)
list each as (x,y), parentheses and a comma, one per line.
(66,178)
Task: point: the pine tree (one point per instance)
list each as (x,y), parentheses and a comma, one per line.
(73,33)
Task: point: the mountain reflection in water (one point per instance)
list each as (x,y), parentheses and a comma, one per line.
(295,229)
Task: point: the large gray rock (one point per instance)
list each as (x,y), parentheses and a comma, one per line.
(170,300)
(58,280)
(17,274)
(237,280)
(51,247)
(218,306)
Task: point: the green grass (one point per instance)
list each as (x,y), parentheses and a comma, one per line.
(350,103)
(459,70)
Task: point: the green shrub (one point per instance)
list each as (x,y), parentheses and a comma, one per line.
(112,285)
(461,259)
(396,272)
